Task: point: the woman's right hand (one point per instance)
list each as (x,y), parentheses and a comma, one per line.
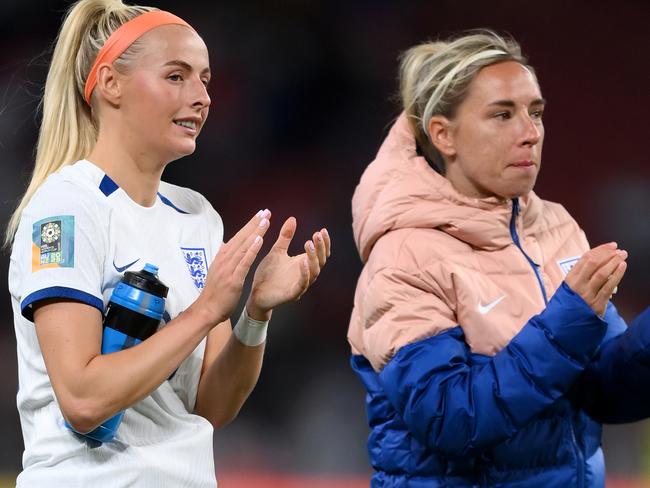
(226,275)
(597,274)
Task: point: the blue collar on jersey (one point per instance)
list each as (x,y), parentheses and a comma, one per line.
(108,186)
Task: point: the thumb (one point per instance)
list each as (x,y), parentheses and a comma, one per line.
(286,234)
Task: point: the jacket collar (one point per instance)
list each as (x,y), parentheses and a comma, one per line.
(400,190)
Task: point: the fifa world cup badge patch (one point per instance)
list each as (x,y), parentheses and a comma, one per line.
(53,243)
(196,261)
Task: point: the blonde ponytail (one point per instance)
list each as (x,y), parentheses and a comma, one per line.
(435,77)
(68,131)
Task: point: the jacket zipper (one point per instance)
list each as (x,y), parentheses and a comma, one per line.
(579,457)
(515,238)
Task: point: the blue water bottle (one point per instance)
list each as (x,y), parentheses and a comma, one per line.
(132,315)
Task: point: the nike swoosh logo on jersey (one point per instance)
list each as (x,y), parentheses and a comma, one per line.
(120,269)
(483,309)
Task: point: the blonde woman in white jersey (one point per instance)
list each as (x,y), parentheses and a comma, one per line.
(125,95)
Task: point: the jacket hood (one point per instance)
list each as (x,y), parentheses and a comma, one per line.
(400,190)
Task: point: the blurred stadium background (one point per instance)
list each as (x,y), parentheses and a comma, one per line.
(302,95)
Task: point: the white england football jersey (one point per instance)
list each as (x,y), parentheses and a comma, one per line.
(77,236)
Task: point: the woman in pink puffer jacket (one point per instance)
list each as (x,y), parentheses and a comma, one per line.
(482,327)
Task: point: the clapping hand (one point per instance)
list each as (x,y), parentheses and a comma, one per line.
(597,274)
(226,274)
(281,278)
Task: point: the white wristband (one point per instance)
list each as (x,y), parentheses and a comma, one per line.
(250,332)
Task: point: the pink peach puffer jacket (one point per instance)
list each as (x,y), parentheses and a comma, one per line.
(459,256)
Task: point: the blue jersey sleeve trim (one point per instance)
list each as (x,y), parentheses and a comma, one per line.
(107,186)
(166,201)
(27,309)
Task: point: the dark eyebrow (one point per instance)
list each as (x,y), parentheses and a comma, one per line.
(184,65)
(511,104)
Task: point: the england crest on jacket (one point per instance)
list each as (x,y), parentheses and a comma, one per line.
(567,263)
(196,261)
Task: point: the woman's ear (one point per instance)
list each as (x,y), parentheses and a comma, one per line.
(441,135)
(108,84)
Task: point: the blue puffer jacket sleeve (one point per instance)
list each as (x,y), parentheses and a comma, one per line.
(615,386)
(457,407)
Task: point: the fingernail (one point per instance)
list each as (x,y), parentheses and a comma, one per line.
(266,214)
(318,236)
(325,233)
(257,239)
(259,214)
(311,246)
(613,245)
(264,222)
(622,253)
(305,263)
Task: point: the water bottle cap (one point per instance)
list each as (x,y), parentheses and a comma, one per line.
(146,280)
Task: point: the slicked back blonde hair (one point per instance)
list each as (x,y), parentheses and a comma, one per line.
(68,129)
(435,77)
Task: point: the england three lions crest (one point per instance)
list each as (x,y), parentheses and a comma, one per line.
(196,264)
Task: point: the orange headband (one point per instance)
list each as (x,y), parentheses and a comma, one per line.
(123,37)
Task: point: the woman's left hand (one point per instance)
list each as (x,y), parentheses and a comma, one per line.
(281,278)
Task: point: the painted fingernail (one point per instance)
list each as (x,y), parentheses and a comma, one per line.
(312,248)
(264,222)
